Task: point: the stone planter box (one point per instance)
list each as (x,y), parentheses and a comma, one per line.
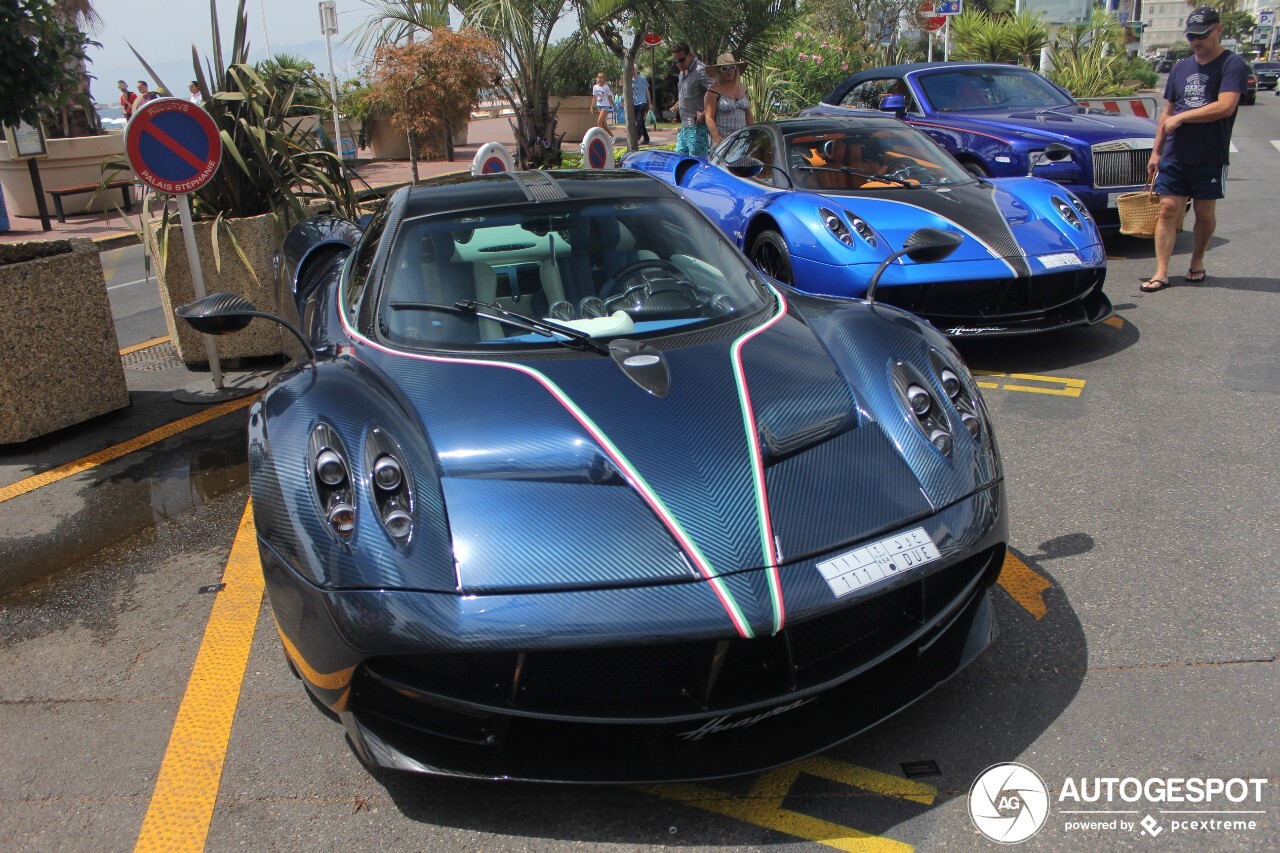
(575,117)
(258,238)
(59,357)
(387,143)
(71,163)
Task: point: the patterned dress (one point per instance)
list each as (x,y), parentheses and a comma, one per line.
(731,114)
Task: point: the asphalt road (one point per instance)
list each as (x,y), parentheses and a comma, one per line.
(1138,637)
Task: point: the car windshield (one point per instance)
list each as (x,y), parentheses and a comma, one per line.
(870,158)
(961,90)
(560,274)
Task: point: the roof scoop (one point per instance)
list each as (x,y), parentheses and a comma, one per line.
(643,365)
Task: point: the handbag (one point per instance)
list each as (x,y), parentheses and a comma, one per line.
(1139,211)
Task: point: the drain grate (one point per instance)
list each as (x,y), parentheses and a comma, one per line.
(159,357)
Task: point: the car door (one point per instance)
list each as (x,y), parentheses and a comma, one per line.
(731,200)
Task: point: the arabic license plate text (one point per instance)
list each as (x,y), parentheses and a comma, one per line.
(878,561)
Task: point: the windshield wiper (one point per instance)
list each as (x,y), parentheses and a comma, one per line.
(558,333)
(849,170)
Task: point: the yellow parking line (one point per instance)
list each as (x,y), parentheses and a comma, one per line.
(1066,387)
(1115,322)
(182,805)
(109,264)
(1025,585)
(145,345)
(53,475)
(763,806)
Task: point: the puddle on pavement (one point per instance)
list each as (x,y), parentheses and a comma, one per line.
(63,524)
(95,591)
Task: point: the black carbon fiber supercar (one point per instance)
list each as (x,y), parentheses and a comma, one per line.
(560,487)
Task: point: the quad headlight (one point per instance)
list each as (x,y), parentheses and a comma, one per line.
(937,421)
(331,483)
(334,485)
(1067,211)
(392,490)
(836,226)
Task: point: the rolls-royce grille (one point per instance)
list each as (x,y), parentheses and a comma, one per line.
(1121,168)
(673,679)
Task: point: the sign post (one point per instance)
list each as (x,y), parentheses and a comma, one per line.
(329,26)
(174,147)
(26,142)
(947,9)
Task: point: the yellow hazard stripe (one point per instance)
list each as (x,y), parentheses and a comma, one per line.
(1025,585)
(53,475)
(182,805)
(145,345)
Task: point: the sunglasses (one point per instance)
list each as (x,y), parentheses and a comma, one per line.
(1197,36)
(679,59)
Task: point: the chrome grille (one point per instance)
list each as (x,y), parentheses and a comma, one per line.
(1120,168)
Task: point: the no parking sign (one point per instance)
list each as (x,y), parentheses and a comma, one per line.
(173,145)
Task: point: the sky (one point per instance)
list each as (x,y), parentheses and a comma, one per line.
(164,30)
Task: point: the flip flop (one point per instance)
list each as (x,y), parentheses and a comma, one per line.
(1160,284)
(1194,276)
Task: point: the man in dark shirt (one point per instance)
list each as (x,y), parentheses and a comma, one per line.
(1193,140)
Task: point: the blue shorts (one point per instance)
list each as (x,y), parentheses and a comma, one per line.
(695,141)
(1200,180)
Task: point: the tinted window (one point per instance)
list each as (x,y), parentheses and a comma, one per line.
(884,157)
(990,88)
(868,94)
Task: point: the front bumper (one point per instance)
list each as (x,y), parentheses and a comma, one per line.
(621,694)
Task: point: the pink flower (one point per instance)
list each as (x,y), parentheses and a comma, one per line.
(799,35)
(824,44)
(817,60)
(844,66)
(803,56)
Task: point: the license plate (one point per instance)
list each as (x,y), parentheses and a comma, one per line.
(878,561)
(1111,199)
(1062,259)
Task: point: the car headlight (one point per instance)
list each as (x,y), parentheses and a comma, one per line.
(836,226)
(331,483)
(862,229)
(958,385)
(391,487)
(1067,211)
(923,410)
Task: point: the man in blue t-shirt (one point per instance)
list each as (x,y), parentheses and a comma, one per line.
(1192,142)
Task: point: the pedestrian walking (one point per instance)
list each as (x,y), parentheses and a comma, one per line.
(145,94)
(640,101)
(691,93)
(194,88)
(127,99)
(727,107)
(1193,141)
(604,100)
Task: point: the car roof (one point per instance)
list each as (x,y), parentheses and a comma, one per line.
(908,67)
(818,124)
(460,192)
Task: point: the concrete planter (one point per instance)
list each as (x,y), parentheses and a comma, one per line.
(71,163)
(387,143)
(575,117)
(59,358)
(259,239)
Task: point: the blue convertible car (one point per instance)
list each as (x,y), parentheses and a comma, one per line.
(822,203)
(995,118)
(561,488)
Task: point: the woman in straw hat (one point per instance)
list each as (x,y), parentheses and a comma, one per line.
(727,107)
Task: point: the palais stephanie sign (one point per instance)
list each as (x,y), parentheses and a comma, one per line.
(173,145)
(1010,803)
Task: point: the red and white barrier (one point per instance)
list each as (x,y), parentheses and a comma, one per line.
(1142,107)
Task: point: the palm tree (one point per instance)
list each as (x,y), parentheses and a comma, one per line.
(78,116)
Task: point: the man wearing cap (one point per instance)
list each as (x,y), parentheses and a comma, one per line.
(1192,141)
(691,89)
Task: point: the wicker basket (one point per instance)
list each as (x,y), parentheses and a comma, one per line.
(1140,211)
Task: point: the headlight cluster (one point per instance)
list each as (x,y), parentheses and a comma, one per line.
(333,483)
(931,415)
(1067,211)
(836,225)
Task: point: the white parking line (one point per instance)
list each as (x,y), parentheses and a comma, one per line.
(127,284)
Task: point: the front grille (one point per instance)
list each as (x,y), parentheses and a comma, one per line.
(990,299)
(1121,168)
(662,680)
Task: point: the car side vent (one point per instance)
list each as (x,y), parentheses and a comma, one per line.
(317,266)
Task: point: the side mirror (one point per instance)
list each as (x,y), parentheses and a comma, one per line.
(747,167)
(227,313)
(896,104)
(924,246)
(929,245)
(218,313)
(1056,151)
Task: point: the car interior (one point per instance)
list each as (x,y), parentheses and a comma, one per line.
(601,269)
(855,160)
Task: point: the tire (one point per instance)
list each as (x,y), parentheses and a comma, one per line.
(771,256)
(976,169)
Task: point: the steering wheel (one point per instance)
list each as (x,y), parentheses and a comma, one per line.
(904,168)
(641,281)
